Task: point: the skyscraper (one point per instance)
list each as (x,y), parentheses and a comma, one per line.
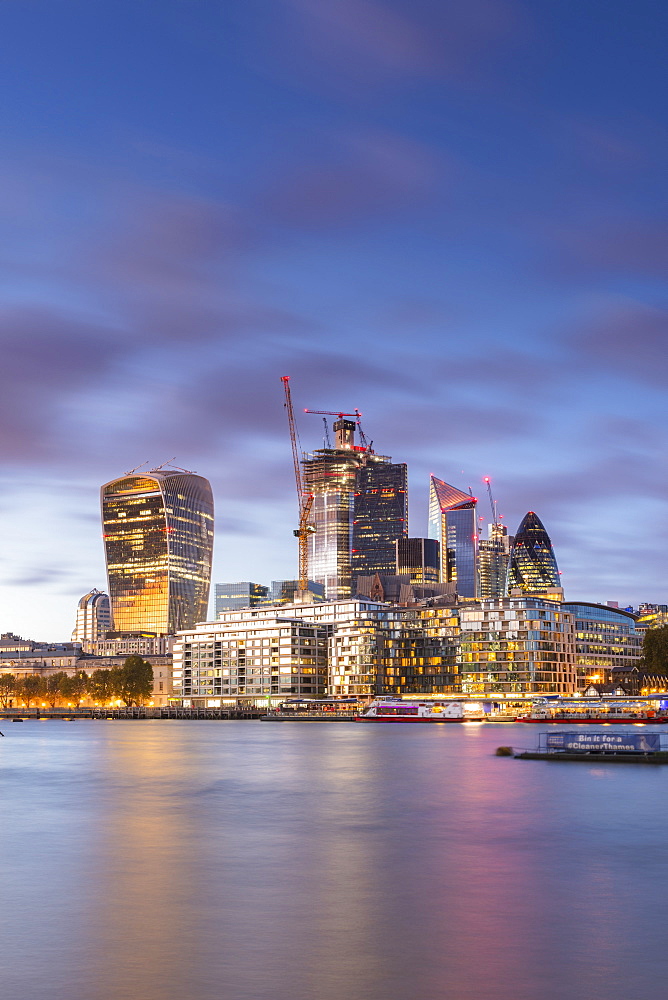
(93,617)
(158,540)
(533,566)
(360,502)
(420,558)
(380,515)
(493,558)
(452,522)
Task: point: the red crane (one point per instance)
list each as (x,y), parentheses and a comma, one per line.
(304,500)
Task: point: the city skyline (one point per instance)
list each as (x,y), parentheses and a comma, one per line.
(449,216)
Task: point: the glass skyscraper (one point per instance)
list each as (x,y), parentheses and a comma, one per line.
(359,502)
(533,566)
(493,558)
(380,516)
(419,558)
(452,522)
(158,541)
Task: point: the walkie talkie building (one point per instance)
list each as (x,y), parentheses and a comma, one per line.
(158,543)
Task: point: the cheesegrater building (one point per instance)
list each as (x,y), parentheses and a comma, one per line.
(158,542)
(452,522)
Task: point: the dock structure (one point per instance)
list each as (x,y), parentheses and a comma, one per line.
(140,713)
(591,747)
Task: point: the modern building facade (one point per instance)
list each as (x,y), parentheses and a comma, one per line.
(493,560)
(452,522)
(233,596)
(517,646)
(533,566)
(380,515)
(607,645)
(419,558)
(93,617)
(378,649)
(353,648)
(258,656)
(158,539)
(360,507)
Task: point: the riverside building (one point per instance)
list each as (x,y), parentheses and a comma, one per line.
(607,645)
(352,648)
(158,542)
(259,657)
(517,646)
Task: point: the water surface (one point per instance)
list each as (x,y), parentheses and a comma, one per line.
(251,861)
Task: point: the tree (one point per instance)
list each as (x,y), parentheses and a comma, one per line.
(54,687)
(102,685)
(75,687)
(136,681)
(31,688)
(7,689)
(655,651)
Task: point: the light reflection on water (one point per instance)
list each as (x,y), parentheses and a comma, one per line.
(251,861)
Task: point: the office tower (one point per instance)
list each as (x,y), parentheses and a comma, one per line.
(420,558)
(533,566)
(342,480)
(93,617)
(380,515)
(158,540)
(232,596)
(452,522)
(493,558)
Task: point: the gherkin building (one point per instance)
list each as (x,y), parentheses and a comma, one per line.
(533,566)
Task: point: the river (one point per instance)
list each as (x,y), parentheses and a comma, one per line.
(166,860)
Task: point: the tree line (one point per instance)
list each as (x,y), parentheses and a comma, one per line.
(131,683)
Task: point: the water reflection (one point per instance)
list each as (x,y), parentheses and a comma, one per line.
(243,860)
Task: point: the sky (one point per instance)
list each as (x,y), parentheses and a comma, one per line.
(450,215)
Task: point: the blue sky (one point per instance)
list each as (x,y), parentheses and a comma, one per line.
(450,215)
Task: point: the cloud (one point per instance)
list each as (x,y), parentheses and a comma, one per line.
(629,247)
(346,178)
(628,338)
(366,43)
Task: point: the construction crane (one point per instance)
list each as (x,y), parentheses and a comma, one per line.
(357,415)
(304,500)
(492,501)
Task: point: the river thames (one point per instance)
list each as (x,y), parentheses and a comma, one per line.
(251,861)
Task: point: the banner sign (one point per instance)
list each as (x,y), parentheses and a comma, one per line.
(620,742)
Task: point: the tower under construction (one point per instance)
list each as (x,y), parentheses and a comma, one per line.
(360,508)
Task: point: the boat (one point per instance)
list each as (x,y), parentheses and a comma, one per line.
(594,711)
(396,710)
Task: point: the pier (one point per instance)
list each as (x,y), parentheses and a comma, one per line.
(143,712)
